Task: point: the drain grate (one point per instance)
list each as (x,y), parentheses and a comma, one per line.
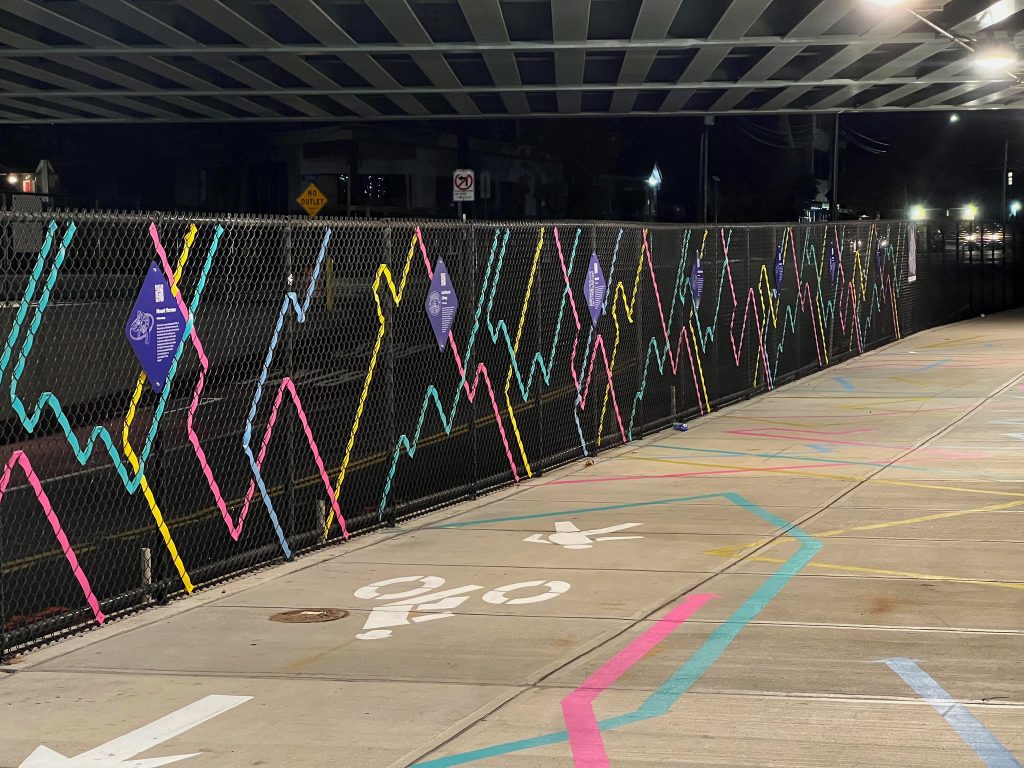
(307,616)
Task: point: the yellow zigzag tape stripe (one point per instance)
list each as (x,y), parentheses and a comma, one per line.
(383,273)
(620,290)
(515,351)
(129,452)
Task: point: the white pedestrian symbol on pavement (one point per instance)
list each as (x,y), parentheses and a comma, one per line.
(430,605)
(568,536)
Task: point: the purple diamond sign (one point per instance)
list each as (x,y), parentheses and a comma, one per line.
(778,269)
(441,304)
(832,263)
(596,288)
(155,327)
(697,281)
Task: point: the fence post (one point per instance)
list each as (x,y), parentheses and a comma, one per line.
(391,512)
(3,597)
(539,417)
(289,370)
(467,230)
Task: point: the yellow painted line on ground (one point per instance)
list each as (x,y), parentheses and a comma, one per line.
(953,342)
(737,549)
(832,476)
(899,574)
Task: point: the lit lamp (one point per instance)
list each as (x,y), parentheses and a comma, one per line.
(970,212)
(995,56)
(12,178)
(653,184)
(1015,207)
(917,213)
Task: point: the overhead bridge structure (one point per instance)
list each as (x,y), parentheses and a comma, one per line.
(325,60)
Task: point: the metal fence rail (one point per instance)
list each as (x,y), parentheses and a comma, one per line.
(309,398)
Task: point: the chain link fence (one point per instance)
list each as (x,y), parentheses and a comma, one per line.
(306,395)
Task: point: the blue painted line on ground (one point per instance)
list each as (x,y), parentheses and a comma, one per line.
(936,364)
(819,448)
(845,384)
(661,700)
(968,727)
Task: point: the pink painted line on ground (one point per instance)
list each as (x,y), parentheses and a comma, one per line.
(20,458)
(736,471)
(581,724)
(935,451)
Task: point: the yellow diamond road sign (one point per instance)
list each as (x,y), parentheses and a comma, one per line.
(312,200)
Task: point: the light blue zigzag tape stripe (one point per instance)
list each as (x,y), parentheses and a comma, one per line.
(50,400)
(678,291)
(660,702)
(590,337)
(432,395)
(538,358)
(291,299)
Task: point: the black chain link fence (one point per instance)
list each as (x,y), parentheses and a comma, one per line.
(308,398)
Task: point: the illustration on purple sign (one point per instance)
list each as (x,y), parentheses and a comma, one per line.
(697,281)
(779,270)
(441,304)
(596,287)
(155,327)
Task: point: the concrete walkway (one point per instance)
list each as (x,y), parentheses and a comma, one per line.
(830,575)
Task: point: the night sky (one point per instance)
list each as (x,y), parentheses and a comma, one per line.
(888,161)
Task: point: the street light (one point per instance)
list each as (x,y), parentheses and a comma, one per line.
(954,118)
(12,178)
(653,184)
(970,212)
(917,213)
(995,56)
(1015,207)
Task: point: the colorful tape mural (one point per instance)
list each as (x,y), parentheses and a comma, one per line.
(354,355)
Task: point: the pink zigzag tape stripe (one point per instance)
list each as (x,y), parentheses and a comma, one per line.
(748,306)
(21,459)
(800,285)
(581,724)
(582,399)
(481,370)
(673,359)
(286,383)
(236,529)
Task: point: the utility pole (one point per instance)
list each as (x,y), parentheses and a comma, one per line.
(835,169)
(705,142)
(1006,178)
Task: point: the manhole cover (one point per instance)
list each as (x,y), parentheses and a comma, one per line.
(309,616)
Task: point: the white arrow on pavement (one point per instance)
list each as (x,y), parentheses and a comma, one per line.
(117,753)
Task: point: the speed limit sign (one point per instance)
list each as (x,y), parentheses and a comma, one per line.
(463,185)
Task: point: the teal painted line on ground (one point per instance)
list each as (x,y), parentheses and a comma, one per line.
(819,448)
(585,510)
(936,364)
(845,384)
(968,727)
(660,702)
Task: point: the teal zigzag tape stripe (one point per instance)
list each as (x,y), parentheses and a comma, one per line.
(48,400)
